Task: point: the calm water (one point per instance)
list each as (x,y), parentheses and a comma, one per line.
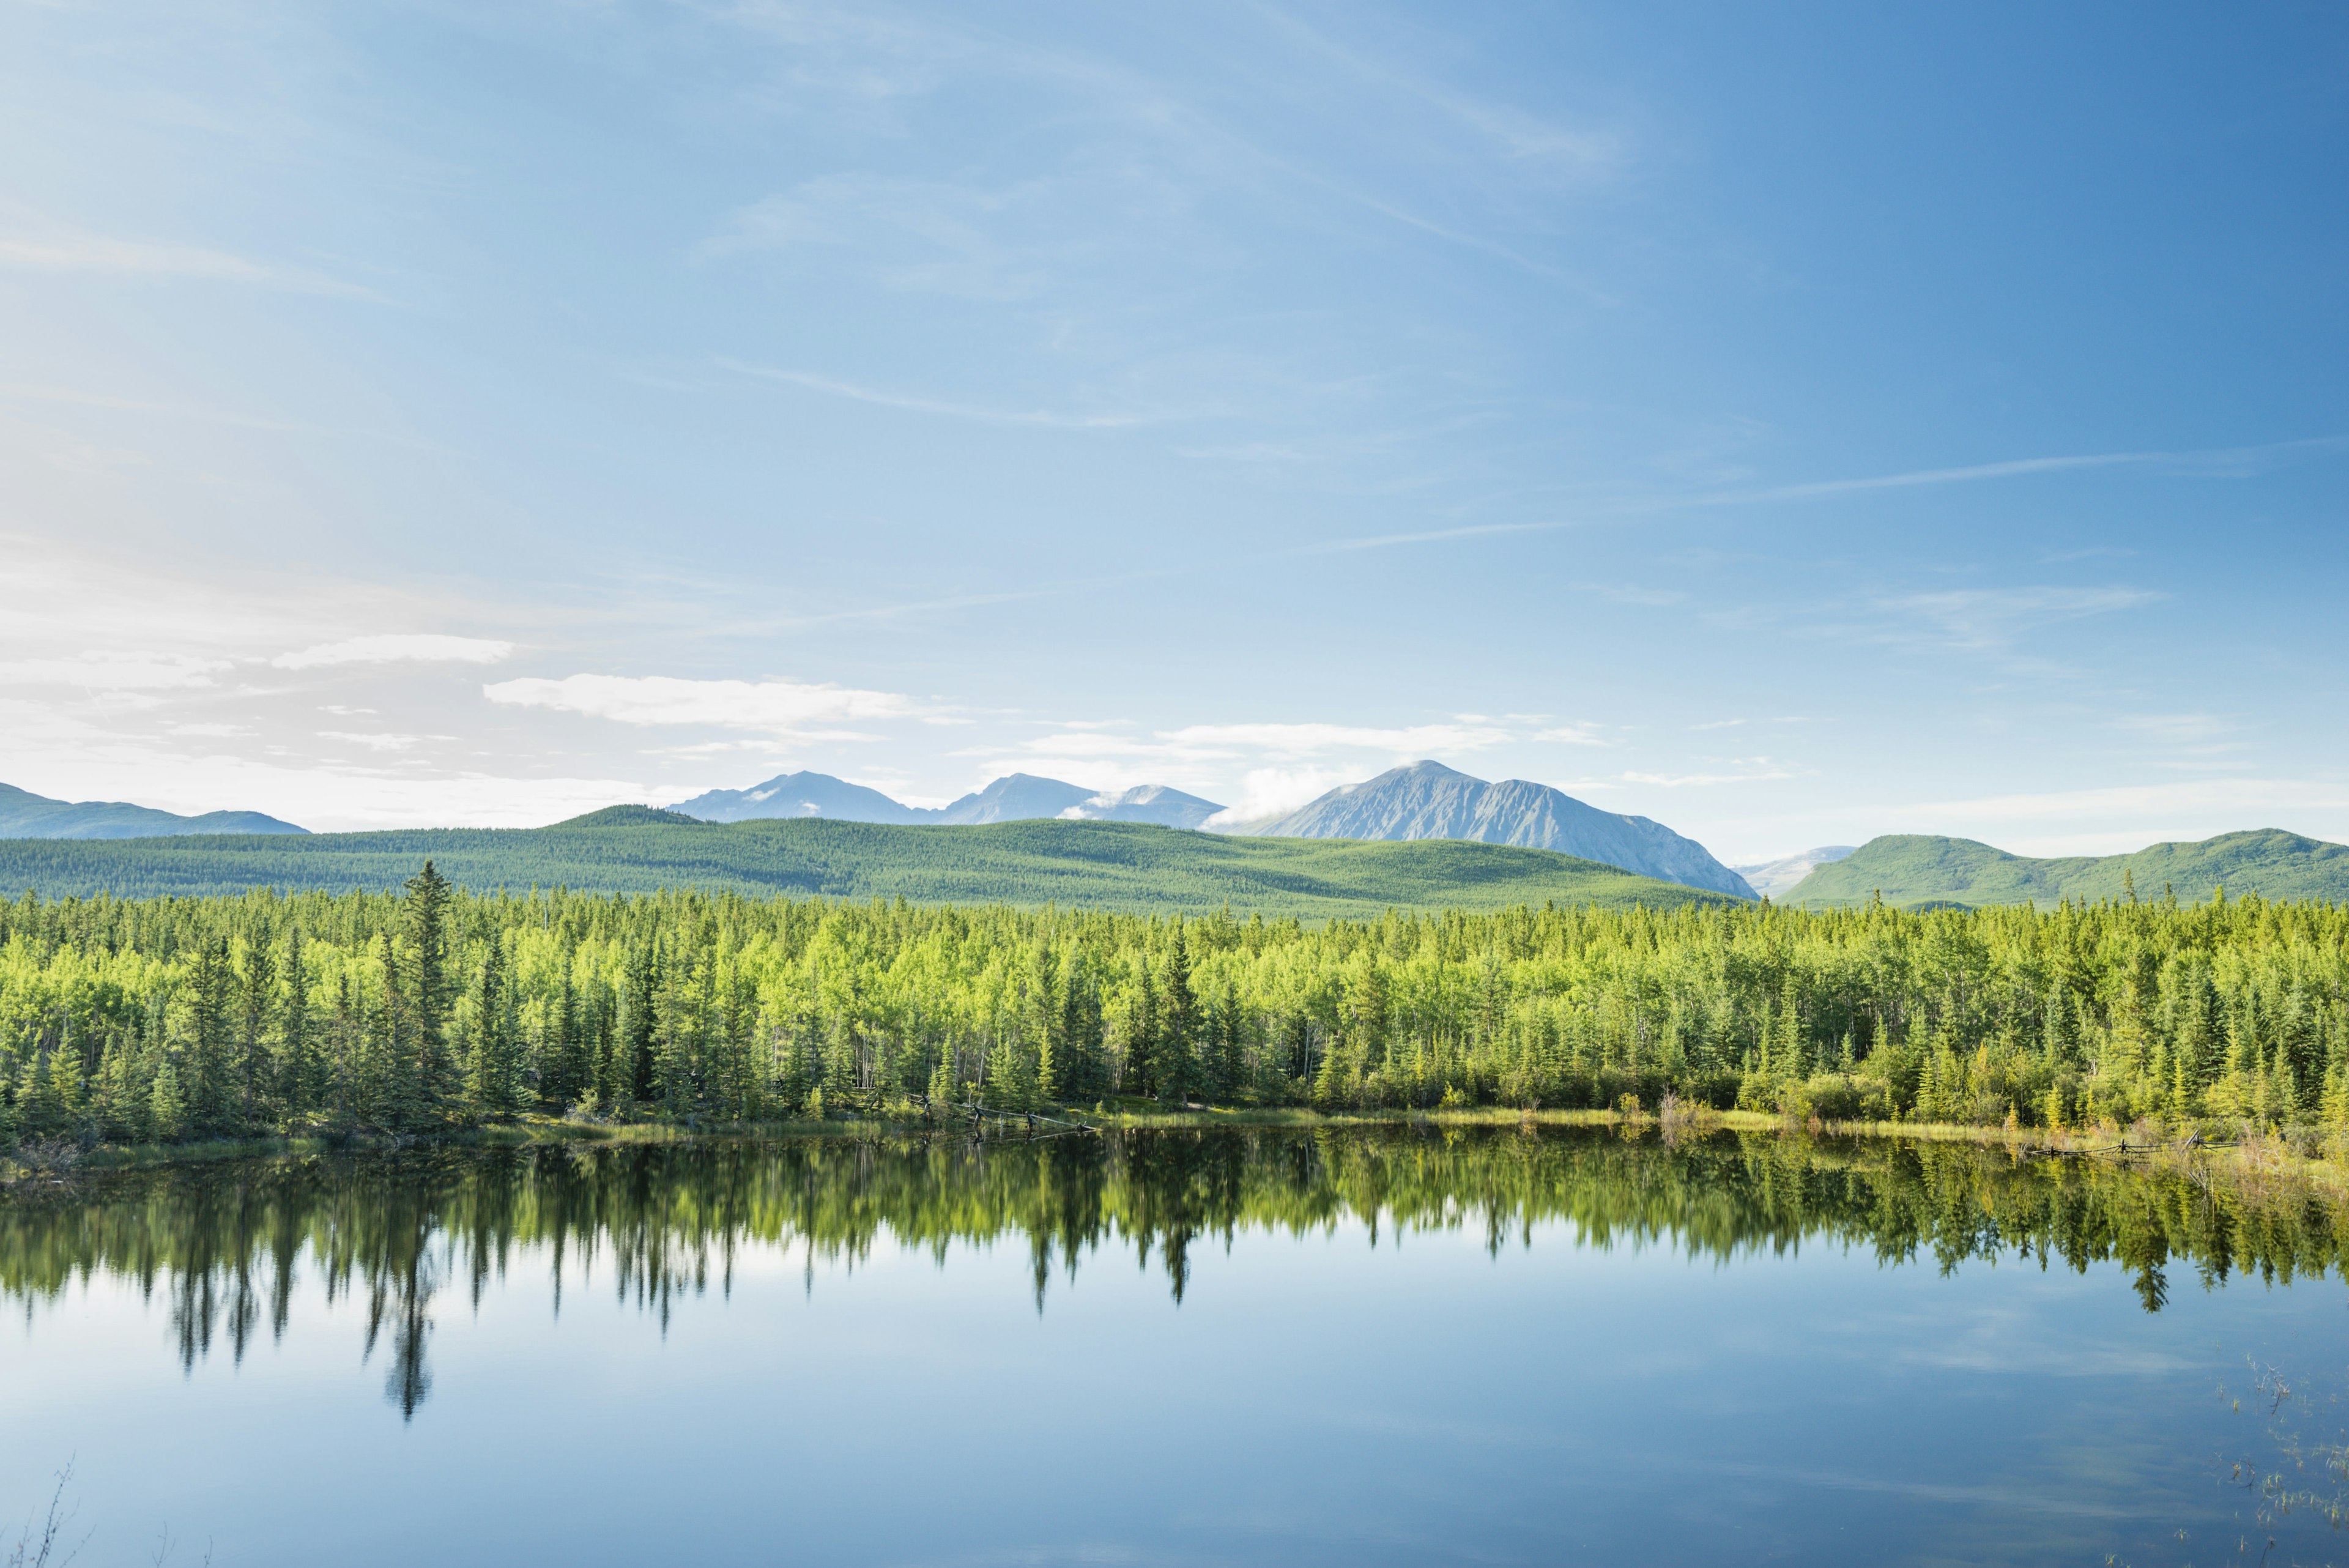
(1489,1349)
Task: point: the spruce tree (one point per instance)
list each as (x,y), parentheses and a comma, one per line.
(429,994)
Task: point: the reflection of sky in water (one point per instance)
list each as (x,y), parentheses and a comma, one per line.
(1312,1399)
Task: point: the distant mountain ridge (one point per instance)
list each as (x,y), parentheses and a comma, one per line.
(1776,879)
(1428,800)
(1015,797)
(24,815)
(1910,870)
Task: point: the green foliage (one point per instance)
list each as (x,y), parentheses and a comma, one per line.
(635,849)
(131,1020)
(1918,872)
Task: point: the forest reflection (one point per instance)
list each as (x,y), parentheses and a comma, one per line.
(231,1246)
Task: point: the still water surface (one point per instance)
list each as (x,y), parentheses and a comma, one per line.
(1489,1347)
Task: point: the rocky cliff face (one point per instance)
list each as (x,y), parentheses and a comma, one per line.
(1428,800)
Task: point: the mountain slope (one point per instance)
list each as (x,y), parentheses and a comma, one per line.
(1912,869)
(1016,798)
(1428,800)
(1776,879)
(632,849)
(1145,802)
(799,794)
(24,815)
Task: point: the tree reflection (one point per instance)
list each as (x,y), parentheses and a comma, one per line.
(662,1221)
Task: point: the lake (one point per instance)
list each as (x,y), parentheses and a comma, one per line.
(1400,1347)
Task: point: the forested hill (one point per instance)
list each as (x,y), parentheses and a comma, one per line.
(1912,869)
(634,849)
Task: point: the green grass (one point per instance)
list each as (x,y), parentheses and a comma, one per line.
(1915,871)
(628,849)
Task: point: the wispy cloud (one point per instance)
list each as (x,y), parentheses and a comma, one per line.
(95,253)
(778,706)
(2175,728)
(2213,463)
(1991,619)
(1744,770)
(375,741)
(1317,739)
(114,671)
(1051,419)
(392,648)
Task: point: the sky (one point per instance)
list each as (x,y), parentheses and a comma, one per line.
(1791,424)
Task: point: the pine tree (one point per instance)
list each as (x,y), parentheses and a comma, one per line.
(211,1094)
(429,994)
(1178,1022)
(298,1067)
(494,1086)
(256,1014)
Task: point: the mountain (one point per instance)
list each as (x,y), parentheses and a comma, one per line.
(1144,803)
(799,794)
(1912,869)
(1016,798)
(1121,865)
(1776,879)
(24,815)
(1428,800)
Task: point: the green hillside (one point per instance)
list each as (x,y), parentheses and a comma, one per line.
(1914,869)
(634,849)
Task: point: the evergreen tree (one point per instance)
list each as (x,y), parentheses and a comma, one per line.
(428,994)
(1175,1063)
(494,1083)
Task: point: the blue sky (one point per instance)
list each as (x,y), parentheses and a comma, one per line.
(1792,423)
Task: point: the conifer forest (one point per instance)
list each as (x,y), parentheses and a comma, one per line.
(154,1021)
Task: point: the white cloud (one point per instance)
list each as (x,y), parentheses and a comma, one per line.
(1575,734)
(1275,791)
(114,671)
(378,743)
(778,706)
(1312,740)
(2174,801)
(1748,770)
(396,646)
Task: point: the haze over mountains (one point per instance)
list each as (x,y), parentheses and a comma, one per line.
(24,815)
(1776,879)
(1423,800)
(1016,798)
(1914,869)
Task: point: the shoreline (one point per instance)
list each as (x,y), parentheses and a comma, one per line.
(2267,1156)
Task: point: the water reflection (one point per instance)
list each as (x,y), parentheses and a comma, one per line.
(224,1241)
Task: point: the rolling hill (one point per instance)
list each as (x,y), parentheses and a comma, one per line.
(1912,869)
(630,849)
(1428,800)
(24,815)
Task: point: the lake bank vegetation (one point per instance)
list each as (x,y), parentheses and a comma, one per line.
(164,1022)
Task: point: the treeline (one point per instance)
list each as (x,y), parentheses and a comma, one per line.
(152,1021)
